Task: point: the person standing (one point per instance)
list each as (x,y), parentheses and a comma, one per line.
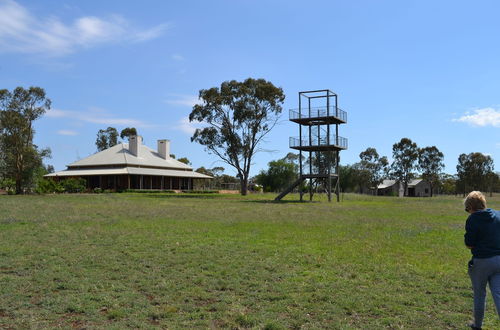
(482,237)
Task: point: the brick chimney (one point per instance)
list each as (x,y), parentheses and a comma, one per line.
(164,149)
(134,143)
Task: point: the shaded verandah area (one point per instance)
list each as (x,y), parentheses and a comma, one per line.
(122,182)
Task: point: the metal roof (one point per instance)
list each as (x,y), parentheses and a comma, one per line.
(386,184)
(389,183)
(414,182)
(120,155)
(129,170)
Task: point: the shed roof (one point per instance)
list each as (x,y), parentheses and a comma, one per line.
(386,184)
(414,182)
(120,155)
(390,183)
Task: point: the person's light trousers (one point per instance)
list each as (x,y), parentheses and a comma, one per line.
(482,272)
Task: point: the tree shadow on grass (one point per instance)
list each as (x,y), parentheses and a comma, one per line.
(272,201)
(181,196)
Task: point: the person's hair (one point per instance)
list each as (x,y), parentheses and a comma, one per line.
(475,201)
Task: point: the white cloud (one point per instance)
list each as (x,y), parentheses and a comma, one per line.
(23,32)
(67,132)
(95,116)
(187,127)
(185,100)
(177,57)
(151,33)
(481,117)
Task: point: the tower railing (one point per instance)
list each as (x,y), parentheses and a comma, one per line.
(322,141)
(318,112)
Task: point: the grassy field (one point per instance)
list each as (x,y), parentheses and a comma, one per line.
(226,261)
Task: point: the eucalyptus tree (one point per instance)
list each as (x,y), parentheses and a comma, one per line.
(375,166)
(237,116)
(474,171)
(128,132)
(405,155)
(19,157)
(430,163)
(106,138)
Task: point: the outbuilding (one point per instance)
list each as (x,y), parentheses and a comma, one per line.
(416,188)
(132,166)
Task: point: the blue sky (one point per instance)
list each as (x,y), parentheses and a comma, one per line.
(426,70)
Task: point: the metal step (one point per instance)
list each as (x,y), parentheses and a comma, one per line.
(290,188)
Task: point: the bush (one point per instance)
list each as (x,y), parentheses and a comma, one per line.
(47,186)
(74,185)
(9,185)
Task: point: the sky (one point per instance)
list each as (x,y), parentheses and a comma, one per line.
(425,70)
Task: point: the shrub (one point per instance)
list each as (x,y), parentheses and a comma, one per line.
(9,185)
(74,185)
(46,186)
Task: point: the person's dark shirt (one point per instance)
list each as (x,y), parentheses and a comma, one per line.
(482,233)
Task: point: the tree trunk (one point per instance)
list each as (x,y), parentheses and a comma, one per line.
(431,190)
(19,188)
(244,186)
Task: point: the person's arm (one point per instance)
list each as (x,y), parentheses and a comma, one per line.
(470,236)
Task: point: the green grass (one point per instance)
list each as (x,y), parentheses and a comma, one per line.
(226,261)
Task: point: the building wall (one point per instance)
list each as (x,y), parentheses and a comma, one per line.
(423,189)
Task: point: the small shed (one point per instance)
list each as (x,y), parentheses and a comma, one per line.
(416,188)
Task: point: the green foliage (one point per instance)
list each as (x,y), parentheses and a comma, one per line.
(475,172)
(405,155)
(430,163)
(8,185)
(19,157)
(238,115)
(184,160)
(106,138)
(46,186)
(360,176)
(203,170)
(353,178)
(279,175)
(322,162)
(128,132)
(448,184)
(74,185)
(375,166)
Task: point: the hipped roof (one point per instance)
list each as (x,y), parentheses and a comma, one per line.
(130,170)
(120,155)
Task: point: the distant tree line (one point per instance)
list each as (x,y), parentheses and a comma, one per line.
(475,171)
(220,180)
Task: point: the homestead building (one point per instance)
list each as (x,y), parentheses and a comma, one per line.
(132,166)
